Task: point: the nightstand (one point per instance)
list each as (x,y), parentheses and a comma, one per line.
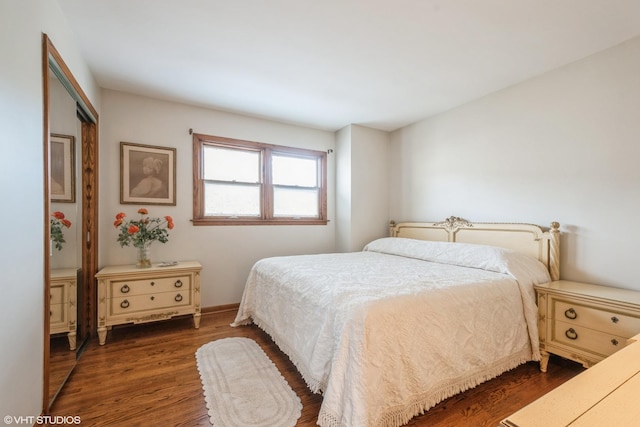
(585,322)
(127,294)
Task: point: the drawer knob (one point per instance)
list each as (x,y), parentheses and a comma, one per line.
(124,304)
(178,283)
(571,334)
(152,297)
(124,289)
(178,298)
(614,319)
(614,341)
(153,283)
(570,314)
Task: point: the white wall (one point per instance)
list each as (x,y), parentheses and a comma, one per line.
(563,146)
(226,252)
(21,192)
(369,185)
(362,186)
(343,189)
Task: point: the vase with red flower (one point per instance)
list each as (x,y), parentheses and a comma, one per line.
(141,233)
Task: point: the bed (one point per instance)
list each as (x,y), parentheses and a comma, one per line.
(387,333)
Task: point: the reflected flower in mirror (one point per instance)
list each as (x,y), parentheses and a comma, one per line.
(58,223)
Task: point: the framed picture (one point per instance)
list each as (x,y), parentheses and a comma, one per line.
(147,174)
(62,179)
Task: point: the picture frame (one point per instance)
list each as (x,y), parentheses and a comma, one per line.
(147,174)
(62,168)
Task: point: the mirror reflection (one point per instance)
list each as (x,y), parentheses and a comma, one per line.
(65,222)
(71,256)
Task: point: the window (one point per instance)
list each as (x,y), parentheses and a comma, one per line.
(244,183)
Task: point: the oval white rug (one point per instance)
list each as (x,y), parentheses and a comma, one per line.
(243,387)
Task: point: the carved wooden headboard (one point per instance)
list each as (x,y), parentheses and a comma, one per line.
(542,243)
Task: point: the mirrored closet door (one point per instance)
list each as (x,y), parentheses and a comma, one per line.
(70,147)
(65,277)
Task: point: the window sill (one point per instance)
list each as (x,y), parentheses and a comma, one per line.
(246,221)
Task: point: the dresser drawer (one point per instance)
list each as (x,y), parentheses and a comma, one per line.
(138,303)
(147,286)
(585,339)
(56,294)
(599,319)
(56,314)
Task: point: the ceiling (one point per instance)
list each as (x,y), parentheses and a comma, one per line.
(329,63)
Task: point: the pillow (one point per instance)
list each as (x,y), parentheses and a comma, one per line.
(485,257)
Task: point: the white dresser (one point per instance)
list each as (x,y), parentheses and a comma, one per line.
(585,322)
(127,294)
(63,312)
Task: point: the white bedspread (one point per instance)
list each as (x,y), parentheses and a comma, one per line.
(389,332)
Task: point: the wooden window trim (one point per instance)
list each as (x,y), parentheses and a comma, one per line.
(266,195)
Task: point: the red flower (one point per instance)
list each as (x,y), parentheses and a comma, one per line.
(142,231)
(66,222)
(58,215)
(169,222)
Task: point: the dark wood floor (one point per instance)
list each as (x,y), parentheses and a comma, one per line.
(146,375)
